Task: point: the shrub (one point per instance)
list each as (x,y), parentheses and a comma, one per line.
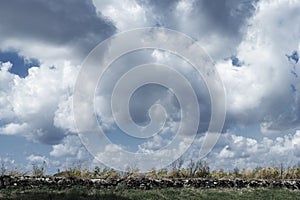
(3,168)
(37,170)
(163,173)
(152,173)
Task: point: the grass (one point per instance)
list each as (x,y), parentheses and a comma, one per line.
(165,193)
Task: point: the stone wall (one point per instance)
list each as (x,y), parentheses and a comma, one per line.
(27,182)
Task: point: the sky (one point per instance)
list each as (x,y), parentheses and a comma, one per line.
(254,46)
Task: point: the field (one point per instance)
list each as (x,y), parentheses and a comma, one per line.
(165,193)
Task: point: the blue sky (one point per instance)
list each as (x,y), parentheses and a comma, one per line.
(20,65)
(254,46)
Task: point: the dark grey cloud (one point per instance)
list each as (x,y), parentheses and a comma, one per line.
(40,29)
(58,22)
(225,16)
(216,23)
(260,72)
(144,97)
(161,10)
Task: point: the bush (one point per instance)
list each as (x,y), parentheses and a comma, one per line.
(3,168)
(163,173)
(151,174)
(37,170)
(194,169)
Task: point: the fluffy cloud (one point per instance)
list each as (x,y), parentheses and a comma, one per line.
(246,152)
(13,128)
(218,27)
(71,152)
(6,80)
(264,89)
(69,147)
(59,29)
(231,151)
(124,14)
(32,104)
(39,106)
(37,159)
(253,44)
